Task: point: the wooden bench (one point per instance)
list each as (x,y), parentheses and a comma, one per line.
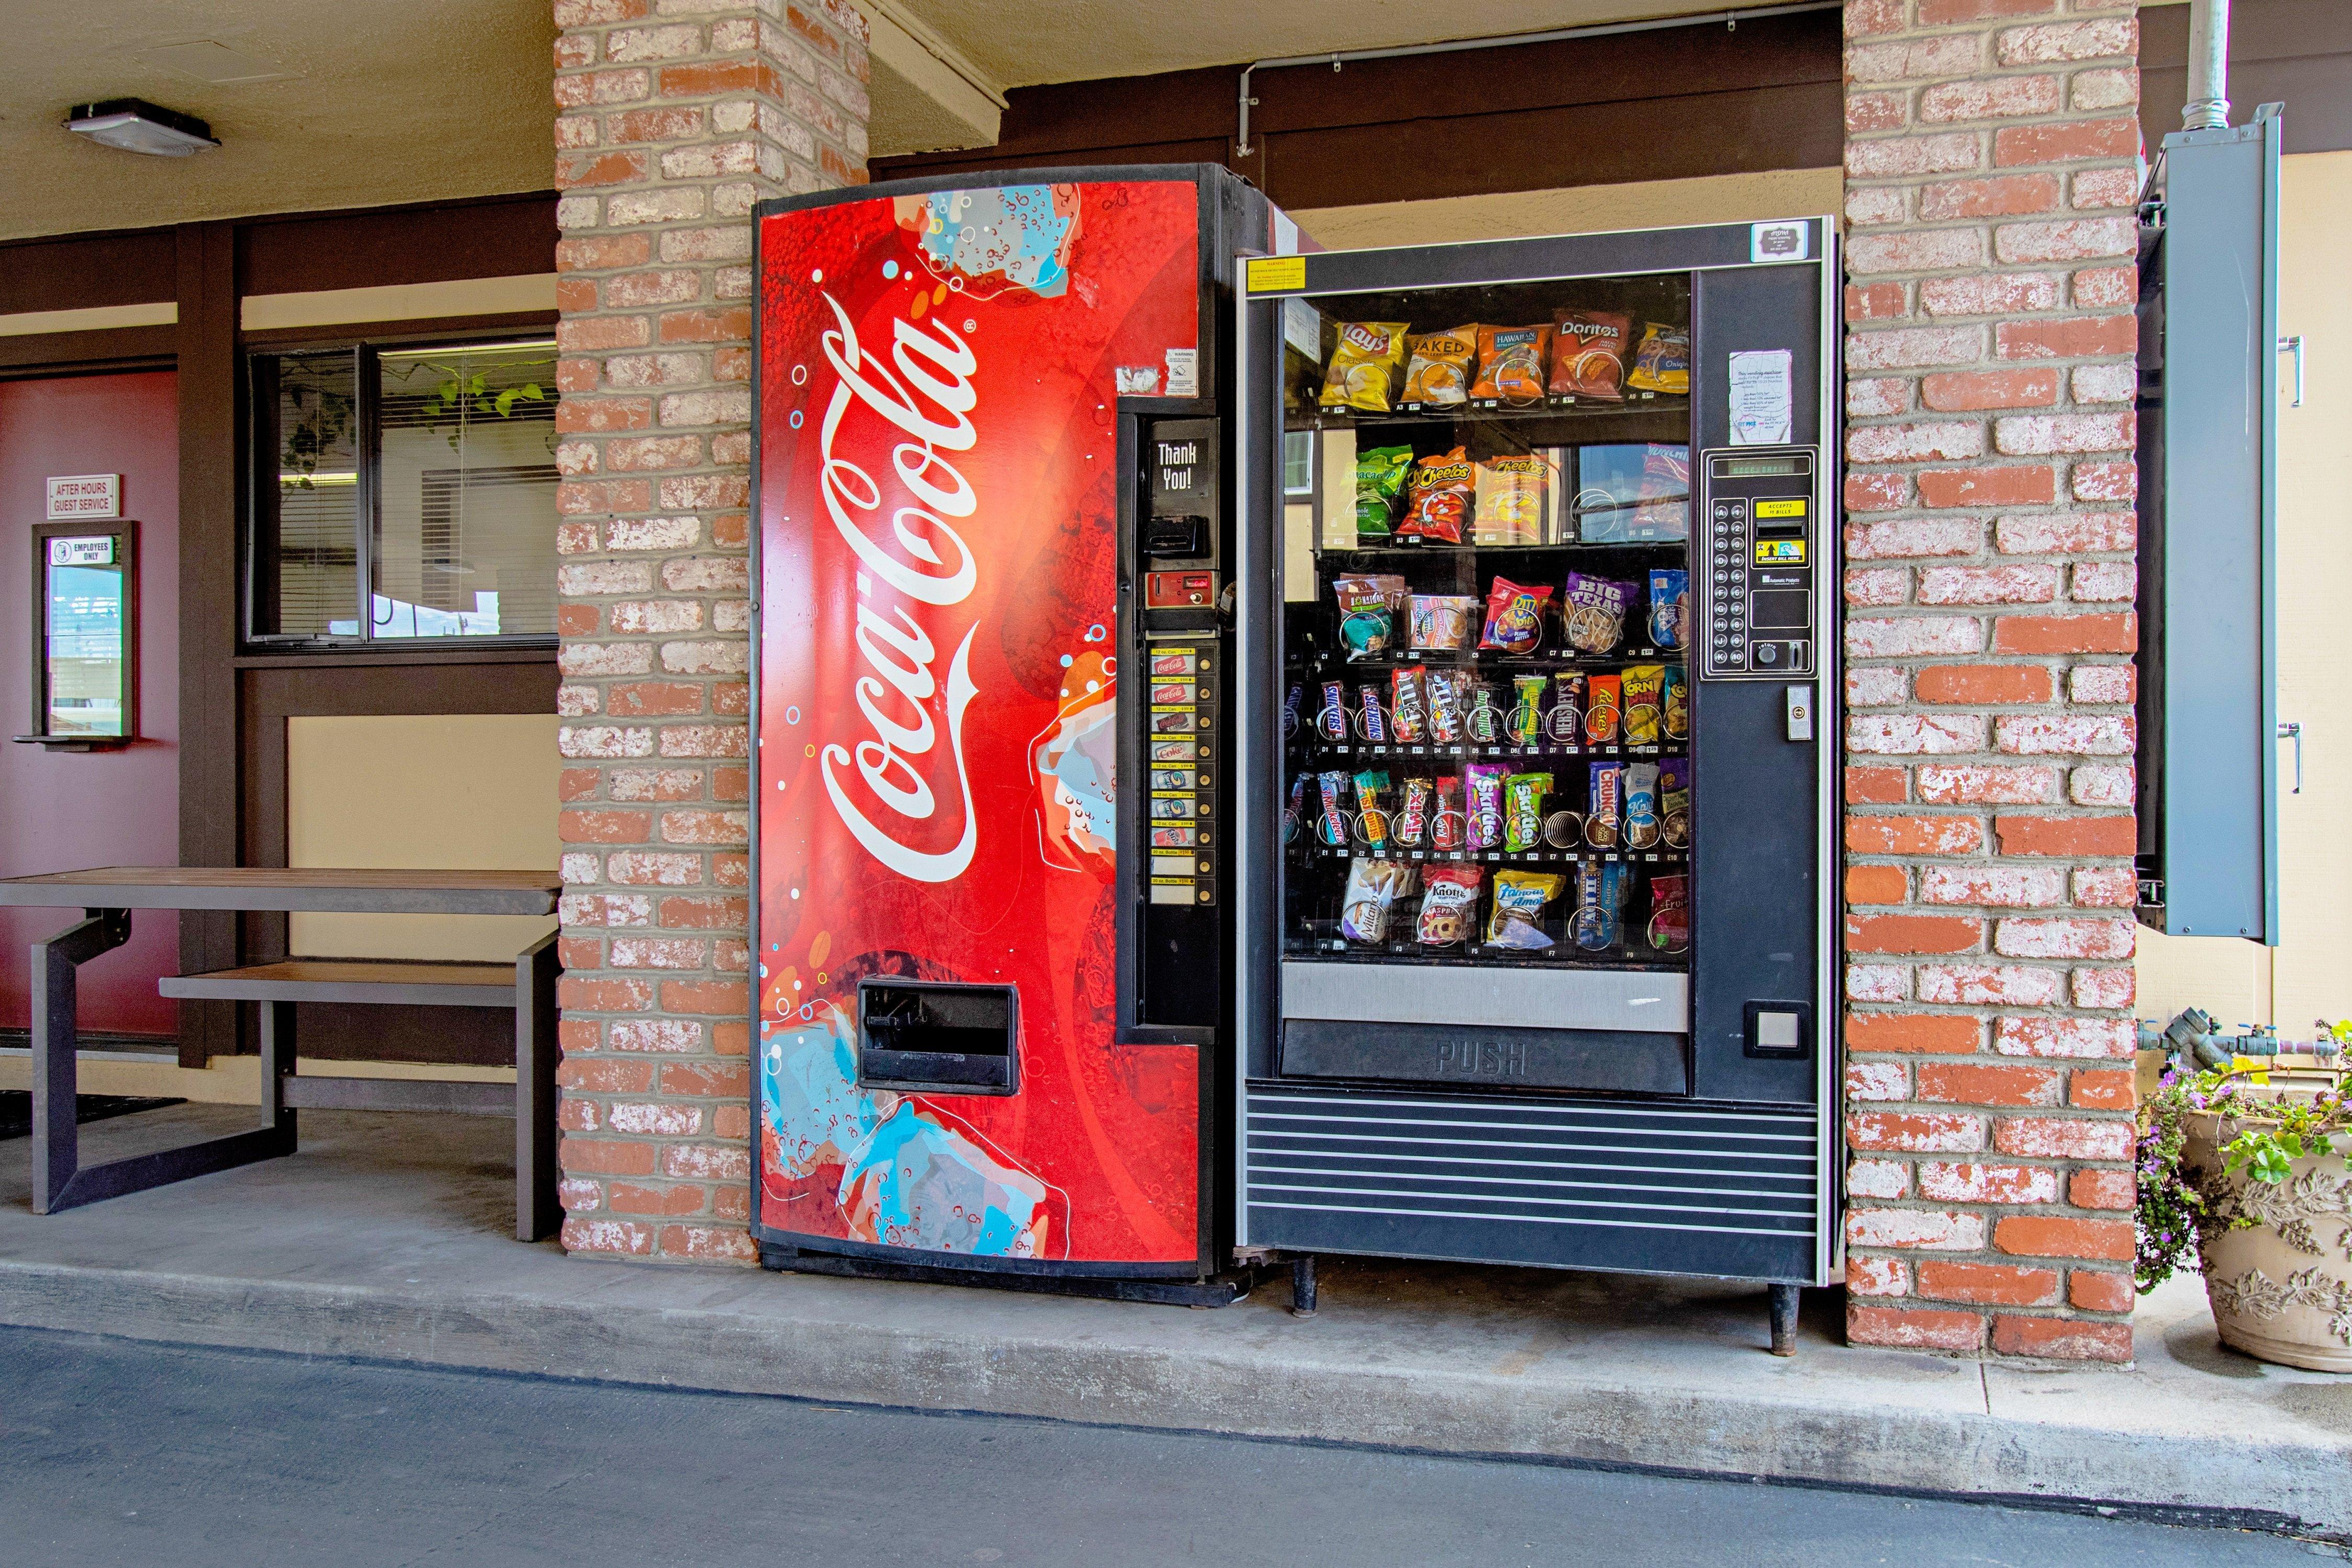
(527,985)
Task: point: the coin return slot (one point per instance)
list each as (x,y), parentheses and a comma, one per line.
(938,1036)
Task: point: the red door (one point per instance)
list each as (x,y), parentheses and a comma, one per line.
(60,810)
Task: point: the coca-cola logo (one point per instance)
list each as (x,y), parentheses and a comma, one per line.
(924,393)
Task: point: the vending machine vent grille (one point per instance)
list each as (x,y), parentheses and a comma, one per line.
(1582,1184)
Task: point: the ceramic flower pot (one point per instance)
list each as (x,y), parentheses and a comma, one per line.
(2281,1288)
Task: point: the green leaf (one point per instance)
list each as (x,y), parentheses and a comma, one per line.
(507,401)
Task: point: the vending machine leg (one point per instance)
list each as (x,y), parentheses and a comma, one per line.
(1784,1319)
(1302,1285)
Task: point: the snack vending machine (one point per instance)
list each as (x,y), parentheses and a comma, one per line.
(991,942)
(1534,835)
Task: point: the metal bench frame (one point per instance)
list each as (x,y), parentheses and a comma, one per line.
(61,1182)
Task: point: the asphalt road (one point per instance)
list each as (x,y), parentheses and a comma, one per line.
(113,1452)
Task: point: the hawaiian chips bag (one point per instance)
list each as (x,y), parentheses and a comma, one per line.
(1663,362)
(1437,371)
(1509,494)
(1380,480)
(1511,364)
(1363,369)
(1515,616)
(1588,353)
(1439,490)
(1517,918)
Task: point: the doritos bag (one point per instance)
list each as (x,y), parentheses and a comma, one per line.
(1588,353)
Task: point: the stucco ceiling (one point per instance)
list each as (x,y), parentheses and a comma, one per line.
(381,101)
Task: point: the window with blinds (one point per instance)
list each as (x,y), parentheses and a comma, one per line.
(413,495)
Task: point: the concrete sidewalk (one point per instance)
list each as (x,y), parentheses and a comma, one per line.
(381,1239)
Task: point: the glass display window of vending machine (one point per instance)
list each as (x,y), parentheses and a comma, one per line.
(1533,833)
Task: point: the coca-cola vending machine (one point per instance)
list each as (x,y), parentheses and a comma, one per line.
(991,950)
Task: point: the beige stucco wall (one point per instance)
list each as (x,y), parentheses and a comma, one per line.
(2309,974)
(459,790)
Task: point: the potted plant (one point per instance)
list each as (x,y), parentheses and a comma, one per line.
(2249,1181)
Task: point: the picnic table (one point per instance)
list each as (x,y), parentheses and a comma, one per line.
(109,894)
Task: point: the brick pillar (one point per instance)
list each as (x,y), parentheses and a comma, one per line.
(674,117)
(1992,167)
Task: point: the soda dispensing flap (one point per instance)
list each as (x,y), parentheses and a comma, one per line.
(938,1035)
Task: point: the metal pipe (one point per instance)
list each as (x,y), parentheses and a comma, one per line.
(2208,107)
(1337,59)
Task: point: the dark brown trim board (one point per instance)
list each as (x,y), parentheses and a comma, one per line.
(2295,52)
(104,352)
(209,466)
(416,330)
(77,272)
(1669,104)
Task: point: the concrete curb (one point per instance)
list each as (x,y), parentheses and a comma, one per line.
(1294,1389)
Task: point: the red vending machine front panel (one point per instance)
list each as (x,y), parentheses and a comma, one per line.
(937,724)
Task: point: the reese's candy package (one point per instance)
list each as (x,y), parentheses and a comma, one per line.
(1644,686)
(1511,364)
(1603,706)
(1368,609)
(1437,498)
(1597,923)
(1364,364)
(1588,353)
(1517,919)
(1515,616)
(1669,608)
(1509,496)
(1448,903)
(1663,362)
(1483,787)
(1437,366)
(1380,482)
(1593,612)
(1523,810)
(1373,889)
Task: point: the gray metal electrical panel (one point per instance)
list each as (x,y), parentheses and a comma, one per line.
(2208,603)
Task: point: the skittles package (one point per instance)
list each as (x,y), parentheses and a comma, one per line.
(1484,789)
(1523,810)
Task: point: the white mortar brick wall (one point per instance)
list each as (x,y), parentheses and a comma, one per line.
(674,117)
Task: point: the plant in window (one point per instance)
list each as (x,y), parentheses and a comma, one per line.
(321,420)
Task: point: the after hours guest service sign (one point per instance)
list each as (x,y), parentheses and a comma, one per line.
(938,691)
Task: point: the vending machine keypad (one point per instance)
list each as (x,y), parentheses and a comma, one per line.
(1759,567)
(1181,748)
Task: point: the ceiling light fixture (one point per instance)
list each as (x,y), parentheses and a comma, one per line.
(137,126)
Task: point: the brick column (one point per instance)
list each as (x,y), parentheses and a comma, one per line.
(674,117)
(1991,168)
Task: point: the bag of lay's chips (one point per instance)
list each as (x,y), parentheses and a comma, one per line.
(1437,373)
(1363,369)
(1509,496)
